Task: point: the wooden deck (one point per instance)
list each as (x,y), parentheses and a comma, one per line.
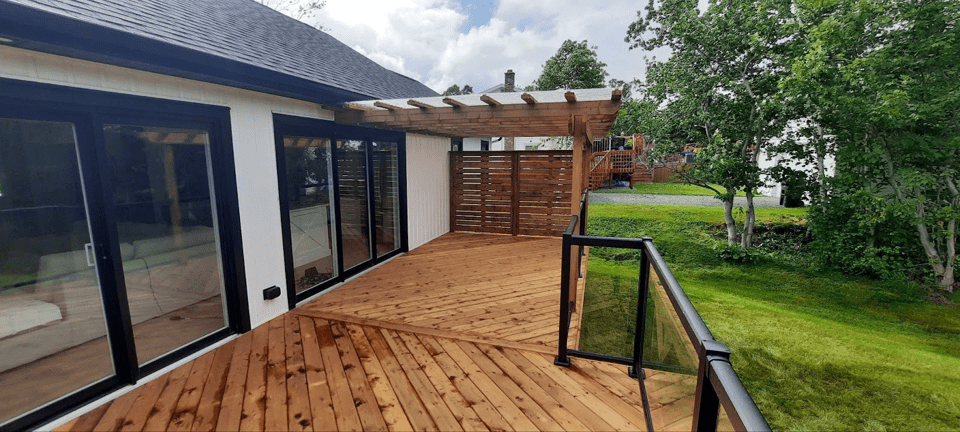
(457,335)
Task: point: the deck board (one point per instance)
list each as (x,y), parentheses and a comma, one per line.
(406,347)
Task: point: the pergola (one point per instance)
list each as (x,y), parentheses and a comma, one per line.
(583,114)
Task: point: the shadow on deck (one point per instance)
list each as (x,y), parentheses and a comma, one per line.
(460,334)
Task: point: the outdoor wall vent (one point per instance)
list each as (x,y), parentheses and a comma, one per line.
(271,293)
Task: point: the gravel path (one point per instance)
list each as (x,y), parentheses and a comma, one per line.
(676,200)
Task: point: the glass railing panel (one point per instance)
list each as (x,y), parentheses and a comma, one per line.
(667,346)
(670,362)
(609,305)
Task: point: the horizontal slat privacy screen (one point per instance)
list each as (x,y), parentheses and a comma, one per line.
(518,193)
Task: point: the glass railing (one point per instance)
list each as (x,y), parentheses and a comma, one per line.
(673,352)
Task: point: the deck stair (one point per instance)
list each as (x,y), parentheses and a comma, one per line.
(608,161)
(607,164)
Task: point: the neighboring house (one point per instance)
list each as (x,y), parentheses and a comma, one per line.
(168,176)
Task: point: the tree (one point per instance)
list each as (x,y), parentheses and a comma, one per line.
(882,78)
(716,90)
(455,90)
(299,10)
(574,66)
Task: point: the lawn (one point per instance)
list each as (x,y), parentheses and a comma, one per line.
(817,350)
(667,189)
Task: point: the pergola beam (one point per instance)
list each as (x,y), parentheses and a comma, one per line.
(454,103)
(528,98)
(570,96)
(387,106)
(490,101)
(419,104)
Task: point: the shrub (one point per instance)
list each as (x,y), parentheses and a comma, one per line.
(861,234)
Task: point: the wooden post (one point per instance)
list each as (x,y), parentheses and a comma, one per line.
(453,192)
(579,130)
(173,194)
(515,195)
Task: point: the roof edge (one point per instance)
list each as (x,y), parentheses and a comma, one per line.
(38,30)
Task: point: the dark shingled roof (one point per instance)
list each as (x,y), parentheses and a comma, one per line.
(247,32)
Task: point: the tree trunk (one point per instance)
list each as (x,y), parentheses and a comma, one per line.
(932,256)
(948,282)
(821,164)
(731,224)
(747,240)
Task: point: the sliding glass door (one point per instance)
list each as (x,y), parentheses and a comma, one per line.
(118,234)
(342,207)
(309,194)
(51,311)
(386,191)
(166,224)
(354,202)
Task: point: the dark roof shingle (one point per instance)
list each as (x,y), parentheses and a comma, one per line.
(244,31)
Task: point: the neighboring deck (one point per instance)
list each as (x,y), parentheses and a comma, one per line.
(457,335)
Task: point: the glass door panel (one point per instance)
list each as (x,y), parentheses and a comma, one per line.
(354,208)
(167,227)
(310,197)
(52,328)
(386,193)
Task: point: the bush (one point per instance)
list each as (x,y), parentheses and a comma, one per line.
(735,252)
(861,234)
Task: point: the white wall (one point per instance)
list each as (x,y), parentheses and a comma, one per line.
(428,188)
(473,144)
(254,150)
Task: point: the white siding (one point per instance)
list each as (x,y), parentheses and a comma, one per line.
(428,188)
(254,151)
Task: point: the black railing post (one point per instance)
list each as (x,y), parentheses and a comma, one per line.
(562,359)
(706,407)
(643,292)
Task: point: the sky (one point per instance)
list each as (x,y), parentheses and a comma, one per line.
(446,42)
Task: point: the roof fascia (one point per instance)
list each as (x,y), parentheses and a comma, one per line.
(43,31)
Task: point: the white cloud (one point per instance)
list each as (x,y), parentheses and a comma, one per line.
(426,39)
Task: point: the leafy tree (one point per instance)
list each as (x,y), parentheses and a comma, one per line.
(637,116)
(882,77)
(297,9)
(455,90)
(574,66)
(716,90)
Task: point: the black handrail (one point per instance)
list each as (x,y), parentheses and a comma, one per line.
(717,383)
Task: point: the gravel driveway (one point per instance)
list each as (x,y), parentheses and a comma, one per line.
(676,200)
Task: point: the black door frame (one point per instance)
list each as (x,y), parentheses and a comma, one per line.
(88,110)
(286,125)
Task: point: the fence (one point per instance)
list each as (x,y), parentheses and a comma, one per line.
(719,395)
(518,193)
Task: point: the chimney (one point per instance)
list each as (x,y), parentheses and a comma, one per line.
(508,81)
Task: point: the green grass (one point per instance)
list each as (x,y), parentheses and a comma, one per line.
(667,189)
(816,349)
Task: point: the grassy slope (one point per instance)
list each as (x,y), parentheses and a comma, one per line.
(818,351)
(667,189)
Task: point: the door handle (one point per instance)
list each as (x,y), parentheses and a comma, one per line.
(91,256)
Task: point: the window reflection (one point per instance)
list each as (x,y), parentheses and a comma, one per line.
(310,195)
(166,223)
(354,208)
(52,326)
(386,196)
